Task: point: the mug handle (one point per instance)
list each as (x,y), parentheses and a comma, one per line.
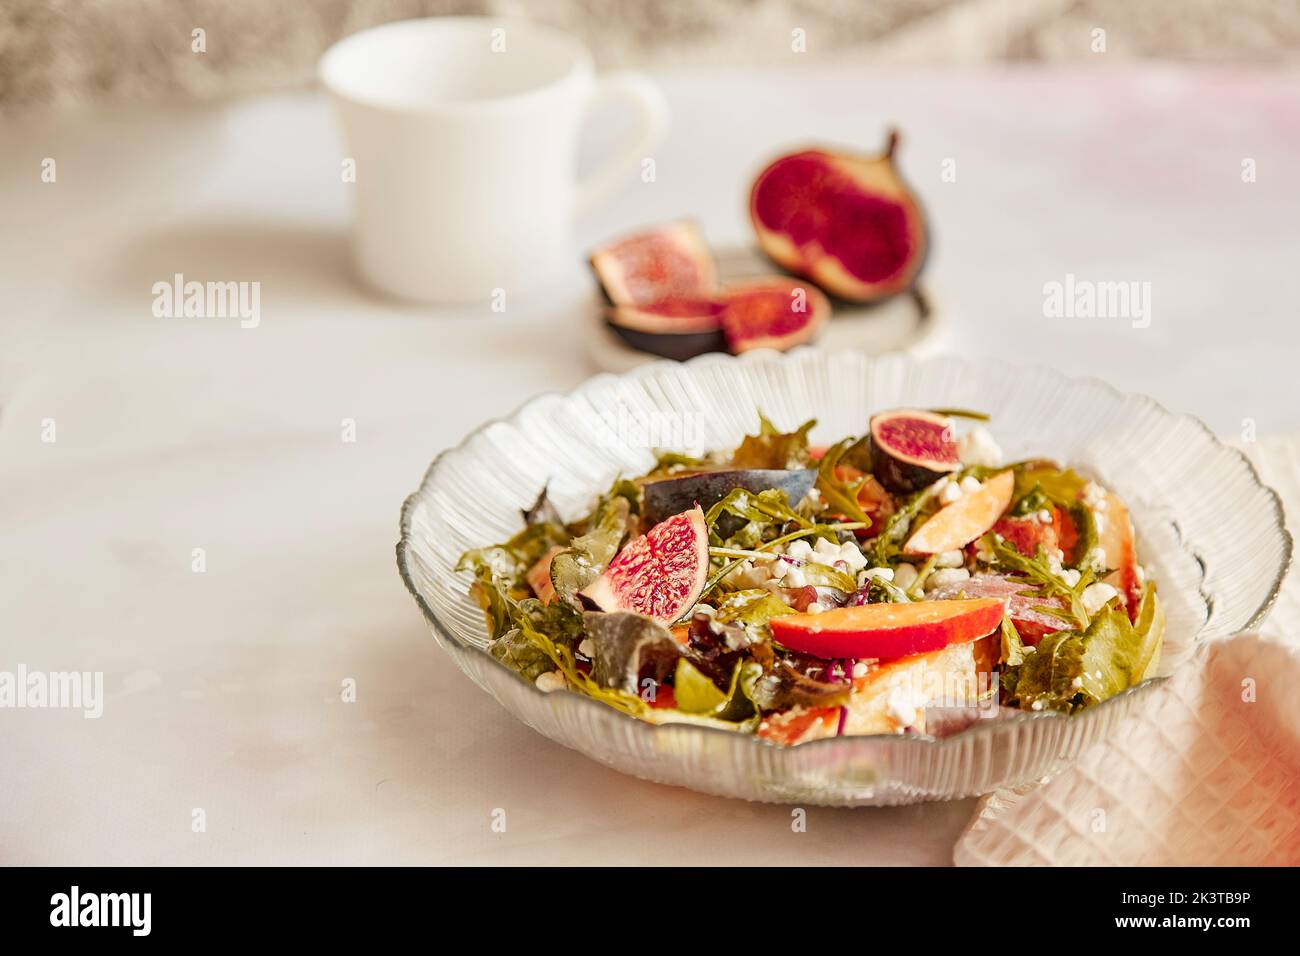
(645,97)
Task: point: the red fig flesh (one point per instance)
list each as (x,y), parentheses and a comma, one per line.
(773,313)
(912,448)
(847,222)
(660,574)
(669,261)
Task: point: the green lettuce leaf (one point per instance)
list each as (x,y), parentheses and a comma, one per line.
(772,448)
(1070,670)
(590,553)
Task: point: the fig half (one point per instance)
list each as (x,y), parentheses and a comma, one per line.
(847,222)
(772,313)
(669,261)
(676,328)
(911,449)
(660,574)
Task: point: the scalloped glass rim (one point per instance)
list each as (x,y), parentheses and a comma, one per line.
(1214,581)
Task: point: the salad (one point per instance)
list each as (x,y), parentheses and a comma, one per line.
(905,581)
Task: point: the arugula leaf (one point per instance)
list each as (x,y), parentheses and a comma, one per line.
(772,448)
(1037,570)
(890,540)
(1013,648)
(761,513)
(751,608)
(1062,485)
(841,494)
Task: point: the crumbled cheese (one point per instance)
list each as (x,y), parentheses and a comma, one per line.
(816,607)
(588,649)
(969,483)
(901,705)
(550,681)
(950,491)
(747,576)
(1095,558)
(1036,705)
(794,578)
(1044,516)
(949,559)
(1095,596)
(800,549)
(881,574)
(860,669)
(977,447)
(904,575)
(945,577)
(1070,577)
(1094,496)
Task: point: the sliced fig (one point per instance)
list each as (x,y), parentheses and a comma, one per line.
(772,313)
(911,449)
(956,525)
(848,222)
(669,261)
(658,575)
(671,496)
(676,328)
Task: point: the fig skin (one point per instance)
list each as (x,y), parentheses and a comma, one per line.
(904,471)
(674,328)
(671,496)
(758,314)
(848,222)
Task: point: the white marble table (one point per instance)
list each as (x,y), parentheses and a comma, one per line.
(223,687)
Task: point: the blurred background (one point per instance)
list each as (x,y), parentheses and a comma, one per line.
(77,51)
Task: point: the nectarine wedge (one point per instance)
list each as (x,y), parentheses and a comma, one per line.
(888,631)
(958,524)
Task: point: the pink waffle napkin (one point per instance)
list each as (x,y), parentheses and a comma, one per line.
(1206,772)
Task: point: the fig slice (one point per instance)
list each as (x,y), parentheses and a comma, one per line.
(676,328)
(670,496)
(911,449)
(669,261)
(776,313)
(958,524)
(658,575)
(846,221)
(887,631)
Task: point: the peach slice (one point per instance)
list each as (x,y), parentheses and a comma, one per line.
(958,524)
(539,575)
(888,631)
(1115,536)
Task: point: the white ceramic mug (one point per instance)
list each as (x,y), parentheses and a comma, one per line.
(464,133)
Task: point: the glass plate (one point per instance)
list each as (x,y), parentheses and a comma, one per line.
(1211,535)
